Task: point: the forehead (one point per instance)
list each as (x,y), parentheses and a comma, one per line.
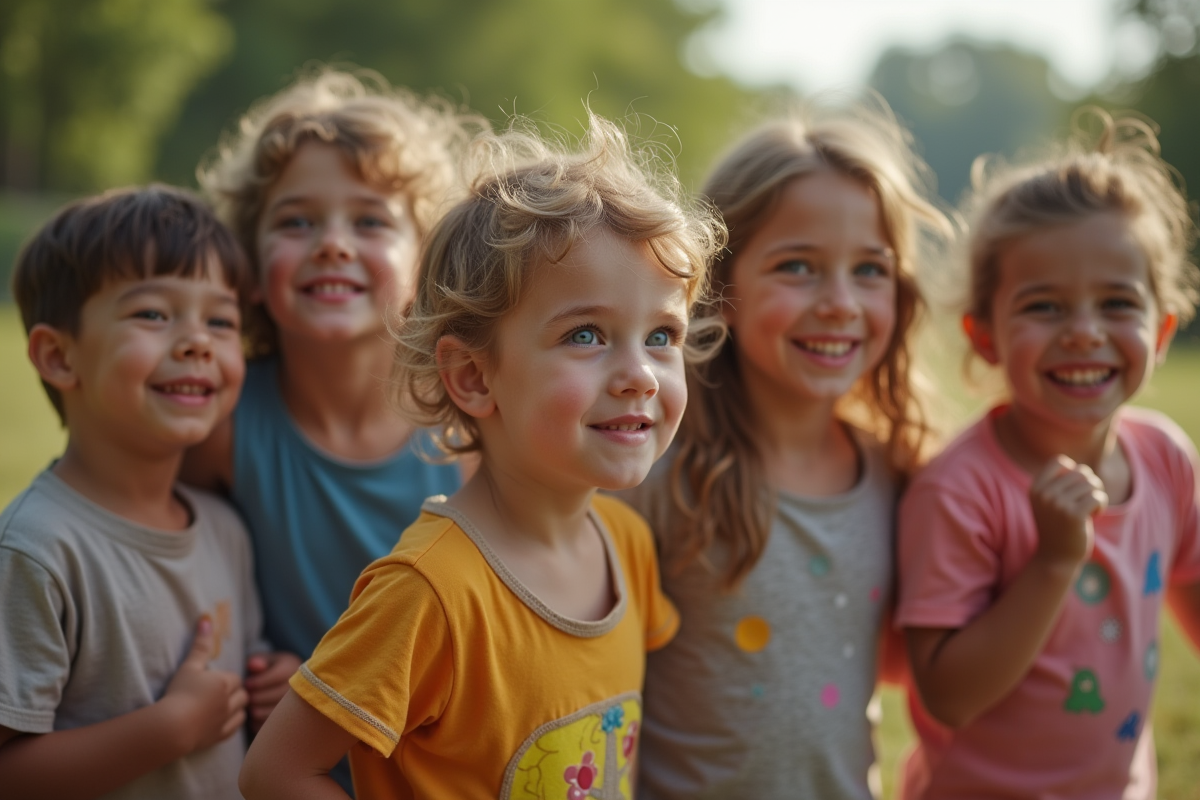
(1101,248)
(825,206)
(318,170)
(603,269)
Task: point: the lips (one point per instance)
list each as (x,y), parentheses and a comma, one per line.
(328,288)
(1082,377)
(627,429)
(186,391)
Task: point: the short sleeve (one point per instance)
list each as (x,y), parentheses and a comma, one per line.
(948,561)
(387,666)
(35,660)
(1185,566)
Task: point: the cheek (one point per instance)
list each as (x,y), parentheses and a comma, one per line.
(672,392)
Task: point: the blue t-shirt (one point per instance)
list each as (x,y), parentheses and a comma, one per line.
(316,521)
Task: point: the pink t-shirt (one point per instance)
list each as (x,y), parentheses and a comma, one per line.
(1071,728)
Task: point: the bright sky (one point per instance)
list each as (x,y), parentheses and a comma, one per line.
(831,44)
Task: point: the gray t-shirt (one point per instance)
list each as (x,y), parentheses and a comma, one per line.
(98,613)
(763,693)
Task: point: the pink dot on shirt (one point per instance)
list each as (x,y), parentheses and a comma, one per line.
(875,593)
(830,695)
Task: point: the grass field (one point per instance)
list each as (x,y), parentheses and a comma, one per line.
(30,436)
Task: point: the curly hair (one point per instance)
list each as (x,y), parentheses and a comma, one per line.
(398,143)
(530,201)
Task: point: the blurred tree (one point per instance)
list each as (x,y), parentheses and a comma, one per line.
(964,98)
(537,57)
(87,87)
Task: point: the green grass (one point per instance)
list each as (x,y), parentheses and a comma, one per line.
(30,436)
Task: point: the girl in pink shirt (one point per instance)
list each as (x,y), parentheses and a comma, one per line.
(1036,551)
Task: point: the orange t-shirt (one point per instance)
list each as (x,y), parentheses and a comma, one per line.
(458,682)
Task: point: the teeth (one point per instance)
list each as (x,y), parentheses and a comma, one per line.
(185,388)
(827,347)
(637,426)
(331,287)
(1082,377)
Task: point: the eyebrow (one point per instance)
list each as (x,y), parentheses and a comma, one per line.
(574,312)
(144,288)
(301,199)
(804,247)
(1048,288)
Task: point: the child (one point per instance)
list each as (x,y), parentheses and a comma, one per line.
(330,187)
(1035,552)
(107,567)
(775,512)
(499,650)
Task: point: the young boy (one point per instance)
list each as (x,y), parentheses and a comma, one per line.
(129,610)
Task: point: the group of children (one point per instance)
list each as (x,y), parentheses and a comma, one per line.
(626,377)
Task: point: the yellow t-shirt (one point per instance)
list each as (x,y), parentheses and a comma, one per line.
(459,683)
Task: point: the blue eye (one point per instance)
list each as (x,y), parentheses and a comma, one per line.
(658,339)
(583,336)
(294,222)
(795,267)
(150,314)
(870,269)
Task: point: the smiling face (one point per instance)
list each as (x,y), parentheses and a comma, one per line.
(586,372)
(335,253)
(1075,326)
(157,362)
(813,292)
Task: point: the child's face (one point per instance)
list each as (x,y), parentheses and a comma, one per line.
(157,363)
(335,253)
(1075,325)
(587,372)
(813,294)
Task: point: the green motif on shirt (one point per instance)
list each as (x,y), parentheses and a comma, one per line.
(1085,694)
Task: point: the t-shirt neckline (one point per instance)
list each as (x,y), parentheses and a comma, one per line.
(575,627)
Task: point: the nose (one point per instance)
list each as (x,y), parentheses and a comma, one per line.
(634,376)
(837,301)
(195,343)
(1083,330)
(334,245)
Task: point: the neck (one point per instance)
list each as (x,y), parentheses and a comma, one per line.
(337,393)
(510,506)
(136,486)
(1031,441)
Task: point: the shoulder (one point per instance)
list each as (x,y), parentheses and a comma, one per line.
(969,459)
(40,520)
(1161,444)
(436,548)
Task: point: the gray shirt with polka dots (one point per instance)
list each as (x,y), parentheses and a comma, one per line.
(764,692)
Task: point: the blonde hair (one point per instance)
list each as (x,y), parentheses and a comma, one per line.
(718,481)
(398,143)
(529,203)
(1121,172)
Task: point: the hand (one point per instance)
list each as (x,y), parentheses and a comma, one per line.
(267,683)
(210,704)
(1064,497)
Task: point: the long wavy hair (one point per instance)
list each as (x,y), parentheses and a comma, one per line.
(719,491)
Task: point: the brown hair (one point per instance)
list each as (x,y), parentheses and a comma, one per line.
(397,142)
(123,234)
(718,482)
(1121,172)
(529,203)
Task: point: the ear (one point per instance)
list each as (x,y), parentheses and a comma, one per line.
(49,351)
(462,371)
(980,335)
(1166,332)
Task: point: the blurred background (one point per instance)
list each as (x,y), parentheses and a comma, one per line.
(101,93)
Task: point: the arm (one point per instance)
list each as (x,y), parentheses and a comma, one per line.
(292,755)
(199,709)
(893,654)
(1185,603)
(962,673)
(267,683)
(209,465)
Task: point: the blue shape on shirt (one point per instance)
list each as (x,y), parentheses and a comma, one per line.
(1128,731)
(1153,575)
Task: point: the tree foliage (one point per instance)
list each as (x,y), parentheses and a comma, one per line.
(88,87)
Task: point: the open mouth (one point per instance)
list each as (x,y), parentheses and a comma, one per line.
(332,289)
(829,348)
(636,426)
(184,389)
(1082,377)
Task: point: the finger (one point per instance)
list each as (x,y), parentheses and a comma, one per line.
(202,645)
(1055,467)
(238,699)
(257,663)
(269,695)
(259,714)
(278,673)
(231,726)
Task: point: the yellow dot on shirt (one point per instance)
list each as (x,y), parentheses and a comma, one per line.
(752,634)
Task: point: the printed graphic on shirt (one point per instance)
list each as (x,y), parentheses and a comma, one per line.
(1150,661)
(1128,732)
(1093,583)
(587,754)
(1153,575)
(819,566)
(222,622)
(1085,694)
(1110,630)
(752,634)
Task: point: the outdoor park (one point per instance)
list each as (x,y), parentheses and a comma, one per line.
(103,93)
